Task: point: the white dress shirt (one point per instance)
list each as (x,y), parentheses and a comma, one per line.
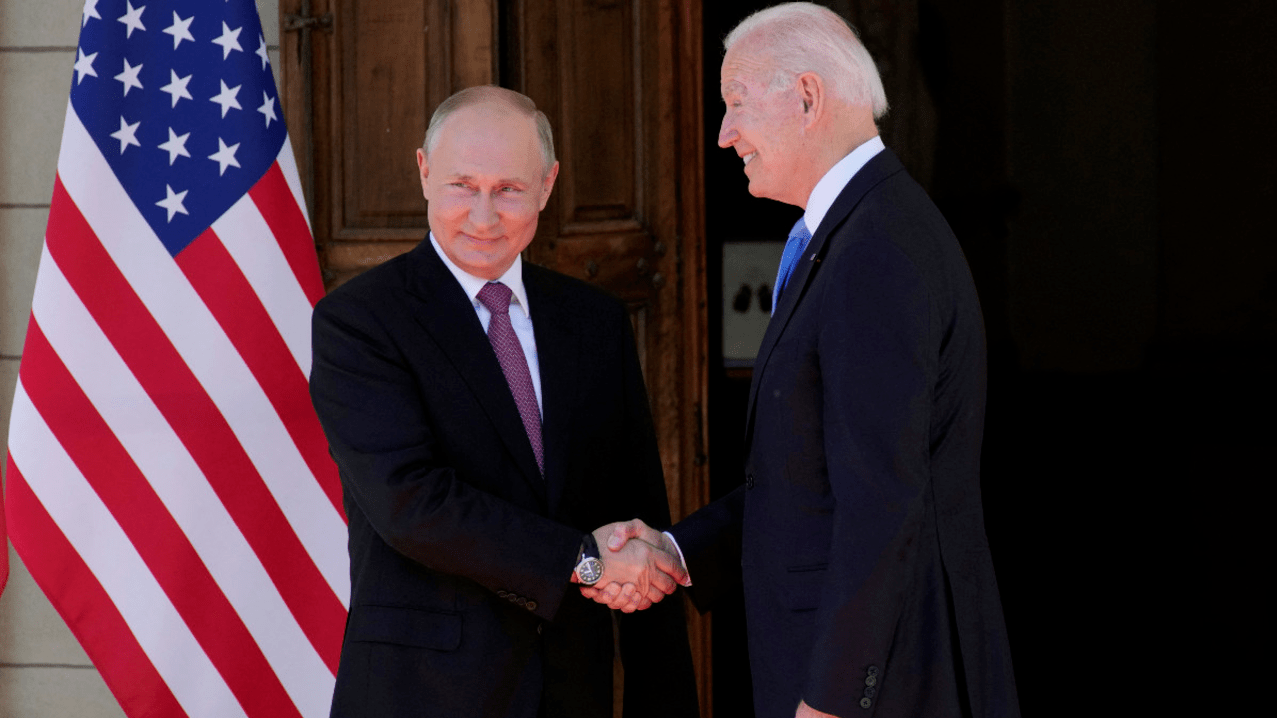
(520,312)
(831,185)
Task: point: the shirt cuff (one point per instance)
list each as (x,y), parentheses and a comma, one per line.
(681,560)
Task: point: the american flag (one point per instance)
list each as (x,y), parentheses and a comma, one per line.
(168,484)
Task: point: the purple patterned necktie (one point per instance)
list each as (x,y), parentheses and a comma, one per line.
(514,364)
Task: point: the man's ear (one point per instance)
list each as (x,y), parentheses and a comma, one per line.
(811,91)
(547,185)
(423,168)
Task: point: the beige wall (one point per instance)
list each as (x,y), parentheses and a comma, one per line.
(43,671)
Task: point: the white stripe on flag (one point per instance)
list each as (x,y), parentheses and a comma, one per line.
(288,163)
(255,249)
(88,525)
(204,347)
(178,482)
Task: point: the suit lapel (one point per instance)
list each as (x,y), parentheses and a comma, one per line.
(447,315)
(877,169)
(559,355)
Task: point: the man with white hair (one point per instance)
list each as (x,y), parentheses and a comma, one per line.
(869,588)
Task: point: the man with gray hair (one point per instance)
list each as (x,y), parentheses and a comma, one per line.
(869,588)
(486,415)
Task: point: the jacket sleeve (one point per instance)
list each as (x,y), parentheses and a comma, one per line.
(710,540)
(371,408)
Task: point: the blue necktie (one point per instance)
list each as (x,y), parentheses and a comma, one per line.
(798,239)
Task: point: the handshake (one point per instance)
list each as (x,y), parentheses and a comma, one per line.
(641,566)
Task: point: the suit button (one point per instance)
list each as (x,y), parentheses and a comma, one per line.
(872,670)
(538,629)
(532,606)
(870,692)
(512,598)
(749,481)
(865,703)
(521,601)
(871,680)
(503,594)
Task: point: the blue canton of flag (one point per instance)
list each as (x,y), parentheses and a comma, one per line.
(180,98)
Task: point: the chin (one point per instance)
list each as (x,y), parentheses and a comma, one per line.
(481,269)
(759,191)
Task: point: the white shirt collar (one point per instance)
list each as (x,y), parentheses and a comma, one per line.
(513,278)
(831,185)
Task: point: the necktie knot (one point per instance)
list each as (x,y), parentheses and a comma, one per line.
(799,232)
(496,297)
(798,239)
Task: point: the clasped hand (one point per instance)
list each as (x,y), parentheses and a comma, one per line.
(640,567)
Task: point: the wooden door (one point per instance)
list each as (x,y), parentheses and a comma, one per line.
(620,82)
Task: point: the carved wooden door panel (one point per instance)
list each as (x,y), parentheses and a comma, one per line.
(620,83)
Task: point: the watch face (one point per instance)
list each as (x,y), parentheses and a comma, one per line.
(589,571)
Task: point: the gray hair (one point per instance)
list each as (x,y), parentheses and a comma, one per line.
(491,93)
(805,37)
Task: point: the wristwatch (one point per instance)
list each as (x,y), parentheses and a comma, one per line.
(590,569)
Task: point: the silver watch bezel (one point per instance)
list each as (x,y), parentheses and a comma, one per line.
(589,571)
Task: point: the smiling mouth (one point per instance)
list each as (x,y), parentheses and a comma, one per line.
(749,157)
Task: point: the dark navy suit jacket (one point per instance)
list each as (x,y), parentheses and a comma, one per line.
(460,552)
(869,588)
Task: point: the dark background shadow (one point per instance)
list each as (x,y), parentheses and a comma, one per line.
(1109,170)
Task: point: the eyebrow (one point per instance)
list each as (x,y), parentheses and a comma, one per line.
(733,86)
(470,178)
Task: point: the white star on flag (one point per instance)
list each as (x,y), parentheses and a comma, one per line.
(177,87)
(173,202)
(84,66)
(90,10)
(261,51)
(268,108)
(133,19)
(225,156)
(229,40)
(226,98)
(180,30)
(129,76)
(176,146)
(127,134)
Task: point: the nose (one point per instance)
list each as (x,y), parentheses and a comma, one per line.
(484,212)
(726,133)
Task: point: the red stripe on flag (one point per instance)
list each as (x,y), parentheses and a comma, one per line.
(156,536)
(178,395)
(85,606)
(284,217)
(228,295)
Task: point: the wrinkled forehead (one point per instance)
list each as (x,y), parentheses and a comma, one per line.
(746,67)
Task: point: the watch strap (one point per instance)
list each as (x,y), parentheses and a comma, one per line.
(589,547)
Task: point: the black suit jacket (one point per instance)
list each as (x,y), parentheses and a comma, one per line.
(460,552)
(869,588)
